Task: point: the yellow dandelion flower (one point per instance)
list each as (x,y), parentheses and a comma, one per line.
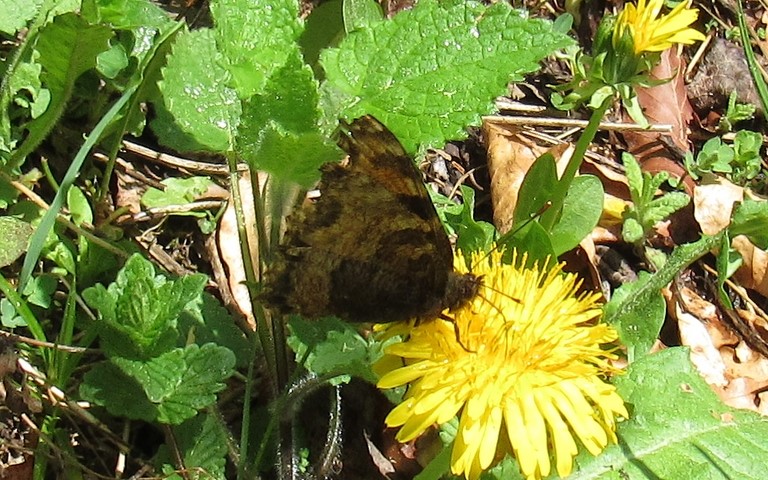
(651,33)
(527,374)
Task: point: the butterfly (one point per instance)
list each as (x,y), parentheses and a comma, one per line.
(371,248)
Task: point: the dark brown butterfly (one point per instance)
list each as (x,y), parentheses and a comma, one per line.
(371,248)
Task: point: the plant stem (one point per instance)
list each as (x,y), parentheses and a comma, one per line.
(558,198)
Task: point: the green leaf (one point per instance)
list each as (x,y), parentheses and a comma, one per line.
(14,237)
(433,70)
(107,385)
(256,38)
(322,29)
(138,313)
(199,111)
(127,14)
(639,327)
(332,347)
(28,92)
(40,290)
(112,62)
(168,389)
(287,112)
(209,322)
(629,310)
(182,381)
(361,14)
(678,428)
(67,48)
(750,218)
(473,235)
(288,155)
(178,191)
(201,442)
(537,188)
(78,206)
(530,238)
(581,211)
(15,14)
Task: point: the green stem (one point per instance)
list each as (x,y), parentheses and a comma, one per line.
(558,198)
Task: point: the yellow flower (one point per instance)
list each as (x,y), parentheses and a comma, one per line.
(527,374)
(651,33)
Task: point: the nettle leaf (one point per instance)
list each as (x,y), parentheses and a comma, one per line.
(201,442)
(14,236)
(433,70)
(199,111)
(256,37)
(331,346)
(107,385)
(678,428)
(169,388)
(278,132)
(290,155)
(182,381)
(138,313)
(67,48)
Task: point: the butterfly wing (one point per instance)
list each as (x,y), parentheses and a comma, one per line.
(371,248)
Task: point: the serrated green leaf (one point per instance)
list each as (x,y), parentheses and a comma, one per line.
(581,211)
(290,99)
(334,347)
(289,155)
(15,14)
(286,112)
(678,428)
(201,442)
(182,381)
(14,237)
(199,110)
(178,191)
(256,38)
(105,384)
(138,313)
(67,47)
(433,70)
(750,218)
